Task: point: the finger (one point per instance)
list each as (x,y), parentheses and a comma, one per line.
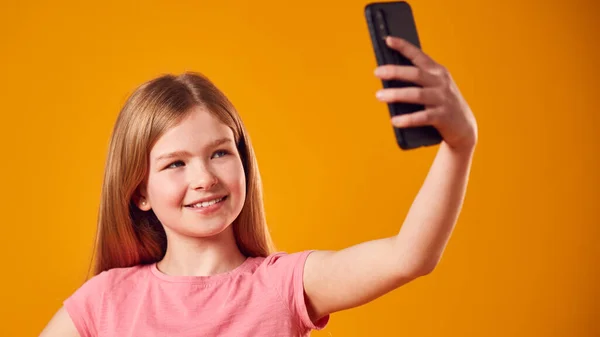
(412,52)
(415,95)
(407,74)
(419,118)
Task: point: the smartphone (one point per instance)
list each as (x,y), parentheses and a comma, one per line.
(396,19)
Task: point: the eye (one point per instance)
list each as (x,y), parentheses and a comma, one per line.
(175,164)
(220,153)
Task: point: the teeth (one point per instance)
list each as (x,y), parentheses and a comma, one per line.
(206,203)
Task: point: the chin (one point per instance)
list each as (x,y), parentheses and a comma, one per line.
(205,229)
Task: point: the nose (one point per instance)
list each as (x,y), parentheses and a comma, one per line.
(202,178)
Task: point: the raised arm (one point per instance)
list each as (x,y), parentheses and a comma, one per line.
(338,280)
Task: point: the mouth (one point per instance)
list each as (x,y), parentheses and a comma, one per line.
(207,203)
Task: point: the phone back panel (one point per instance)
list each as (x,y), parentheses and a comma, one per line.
(399,21)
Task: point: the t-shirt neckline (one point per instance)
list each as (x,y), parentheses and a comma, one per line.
(200,279)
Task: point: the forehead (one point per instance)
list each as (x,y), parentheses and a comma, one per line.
(198,129)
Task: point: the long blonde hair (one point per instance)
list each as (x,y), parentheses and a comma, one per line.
(128,236)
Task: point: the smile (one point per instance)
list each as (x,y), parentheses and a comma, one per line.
(207,203)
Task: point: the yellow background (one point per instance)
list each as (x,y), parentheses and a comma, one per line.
(523,260)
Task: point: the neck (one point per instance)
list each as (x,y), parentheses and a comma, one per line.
(190,256)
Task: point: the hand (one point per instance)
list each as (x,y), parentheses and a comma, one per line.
(445,108)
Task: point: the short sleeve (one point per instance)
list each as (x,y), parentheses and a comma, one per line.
(286,273)
(84,306)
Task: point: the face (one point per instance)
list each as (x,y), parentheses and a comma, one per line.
(196,184)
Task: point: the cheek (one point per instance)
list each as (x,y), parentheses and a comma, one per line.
(235,180)
(165,191)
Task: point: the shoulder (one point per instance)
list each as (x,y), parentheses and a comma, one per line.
(280,265)
(110,279)
(284,259)
(284,272)
(87,303)
(118,278)
(95,288)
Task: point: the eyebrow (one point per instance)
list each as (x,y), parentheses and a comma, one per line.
(212,144)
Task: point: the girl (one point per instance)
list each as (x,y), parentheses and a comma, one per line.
(183,248)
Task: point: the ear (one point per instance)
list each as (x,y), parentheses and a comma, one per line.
(141,200)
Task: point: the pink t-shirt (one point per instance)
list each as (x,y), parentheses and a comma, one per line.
(262,297)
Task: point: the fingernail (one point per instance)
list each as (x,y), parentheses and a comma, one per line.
(378,71)
(379,94)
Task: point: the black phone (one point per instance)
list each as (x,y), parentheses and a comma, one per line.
(396,19)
